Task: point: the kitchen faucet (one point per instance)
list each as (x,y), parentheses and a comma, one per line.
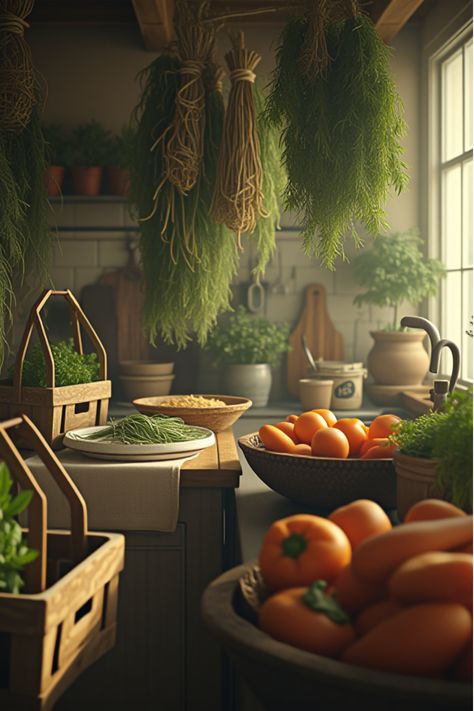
(440,387)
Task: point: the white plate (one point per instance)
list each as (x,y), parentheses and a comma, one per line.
(75,439)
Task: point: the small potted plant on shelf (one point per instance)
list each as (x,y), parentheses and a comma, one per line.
(120,158)
(395,270)
(90,151)
(434,456)
(57,156)
(248,346)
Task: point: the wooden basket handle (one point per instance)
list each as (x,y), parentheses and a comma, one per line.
(35,573)
(78,319)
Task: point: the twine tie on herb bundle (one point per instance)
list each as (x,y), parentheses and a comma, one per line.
(238,197)
(17,75)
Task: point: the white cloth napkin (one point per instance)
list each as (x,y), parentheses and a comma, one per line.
(120,496)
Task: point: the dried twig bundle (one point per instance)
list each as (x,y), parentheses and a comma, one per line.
(184,142)
(314,55)
(238,197)
(18,86)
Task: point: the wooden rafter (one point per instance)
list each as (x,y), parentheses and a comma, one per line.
(390,16)
(155,19)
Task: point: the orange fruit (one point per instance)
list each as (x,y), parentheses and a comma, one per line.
(328,415)
(291,418)
(382,426)
(289,429)
(330,442)
(275,440)
(354,432)
(361,519)
(380,451)
(303,449)
(307,424)
(382,441)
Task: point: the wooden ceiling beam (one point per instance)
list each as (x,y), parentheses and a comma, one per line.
(155,19)
(390,16)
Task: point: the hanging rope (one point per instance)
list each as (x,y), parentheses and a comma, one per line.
(314,56)
(238,196)
(17,76)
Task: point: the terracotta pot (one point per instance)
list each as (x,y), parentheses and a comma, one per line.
(54,179)
(398,358)
(86,181)
(416,480)
(119,180)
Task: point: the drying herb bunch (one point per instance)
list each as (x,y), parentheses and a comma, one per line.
(394,270)
(341,127)
(90,145)
(70,367)
(247,339)
(14,553)
(445,435)
(144,429)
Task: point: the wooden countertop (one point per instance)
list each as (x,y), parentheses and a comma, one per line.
(215,467)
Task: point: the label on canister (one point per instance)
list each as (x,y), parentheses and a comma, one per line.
(348,386)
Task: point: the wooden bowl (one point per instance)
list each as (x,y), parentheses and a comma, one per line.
(215,418)
(283,677)
(322,482)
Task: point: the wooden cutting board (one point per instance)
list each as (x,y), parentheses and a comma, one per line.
(321,336)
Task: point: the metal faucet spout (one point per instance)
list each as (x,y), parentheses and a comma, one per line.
(435,356)
(433,333)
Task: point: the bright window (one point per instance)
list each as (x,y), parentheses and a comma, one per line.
(452,161)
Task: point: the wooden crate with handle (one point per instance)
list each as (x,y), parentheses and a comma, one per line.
(56,410)
(65,617)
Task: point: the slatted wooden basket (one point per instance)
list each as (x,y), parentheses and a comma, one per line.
(56,410)
(65,617)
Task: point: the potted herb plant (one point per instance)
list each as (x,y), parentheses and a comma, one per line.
(394,270)
(57,156)
(120,160)
(434,455)
(90,151)
(248,346)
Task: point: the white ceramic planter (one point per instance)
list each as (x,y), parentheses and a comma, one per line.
(252,381)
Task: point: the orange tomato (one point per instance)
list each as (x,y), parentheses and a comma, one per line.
(382,426)
(328,415)
(292,418)
(287,618)
(380,451)
(421,640)
(307,424)
(354,432)
(276,440)
(432,509)
(373,615)
(372,443)
(302,548)
(330,442)
(289,429)
(353,594)
(303,449)
(361,519)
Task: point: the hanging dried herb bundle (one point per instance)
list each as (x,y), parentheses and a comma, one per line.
(185,135)
(341,133)
(18,84)
(188,260)
(238,197)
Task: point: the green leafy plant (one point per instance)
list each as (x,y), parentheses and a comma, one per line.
(57,144)
(90,145)
(14,553)
(248,339)
(71,368)
(393,270)
(121,147)
(445,435)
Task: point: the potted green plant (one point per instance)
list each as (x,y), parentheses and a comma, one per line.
(434,455)
(90,151)
(248,346)
(120,160)
(392,271)
(57,156)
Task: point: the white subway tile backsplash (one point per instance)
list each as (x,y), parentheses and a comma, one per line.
(84,277)
(76,253)
(100,215)
(62,277)
(113,253)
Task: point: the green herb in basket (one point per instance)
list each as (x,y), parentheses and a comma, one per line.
(70,367)
(142,429)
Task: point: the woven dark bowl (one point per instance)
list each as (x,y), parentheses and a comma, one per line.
(322,482)
(283,677)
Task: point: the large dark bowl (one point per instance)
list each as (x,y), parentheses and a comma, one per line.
(322,482)
(283,677)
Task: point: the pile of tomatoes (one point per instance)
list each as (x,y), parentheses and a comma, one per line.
(319,433)
(353,588)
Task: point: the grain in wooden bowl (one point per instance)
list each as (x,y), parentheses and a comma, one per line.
(217,417)
(323,482)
